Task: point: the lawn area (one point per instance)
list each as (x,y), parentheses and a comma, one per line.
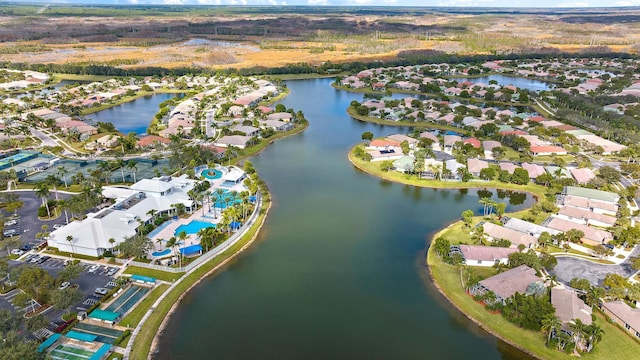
(142,346)
(373,168)
(136,314)
(160,275)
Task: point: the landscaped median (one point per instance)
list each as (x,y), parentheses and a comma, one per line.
(141,348)
(614,345)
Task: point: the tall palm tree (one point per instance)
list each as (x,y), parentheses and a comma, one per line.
(105,168)
(152,213)
(485,202)
(78,178)
(111,242)
(120,164)
(578,329)
(53,181)
(42,191)
(594,335)
(133,166)
(69,238)
(64,205)
(550,325)
(62,171)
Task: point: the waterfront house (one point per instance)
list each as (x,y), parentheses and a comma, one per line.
(474,166)
(239,141)
(526,227)
(476,255)
(496,232)
(508,283)
(569,307)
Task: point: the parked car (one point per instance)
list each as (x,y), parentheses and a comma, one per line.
(17,252)
(64,285)
(35,259)
(26,247)
(43,259)
(93,269)
(101,291)
(57,226)
(10,232)
(10,222)
(112,271)
(66,262)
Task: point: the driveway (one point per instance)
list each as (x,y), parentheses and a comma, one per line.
(571,267)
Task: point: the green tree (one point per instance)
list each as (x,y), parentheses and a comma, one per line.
(367,136)
(36,323)
(135,246)
(467,217)
(66,298)
(70,272)
(550,325)
(580,284)
(37,283)
(442,247)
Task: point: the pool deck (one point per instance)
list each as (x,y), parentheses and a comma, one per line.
(169,230)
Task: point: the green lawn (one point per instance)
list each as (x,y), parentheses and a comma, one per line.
(136,314)
(142,346)
(161,275)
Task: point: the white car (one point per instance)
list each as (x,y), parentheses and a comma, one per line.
(93,269)
(64,285)
(57,226)
(17,252)
(10,222)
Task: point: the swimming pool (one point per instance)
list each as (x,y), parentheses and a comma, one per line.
(193,227)
(222,200)
(157,230)
(161,253)
(211,174)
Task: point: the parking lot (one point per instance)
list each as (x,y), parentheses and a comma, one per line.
(91,278)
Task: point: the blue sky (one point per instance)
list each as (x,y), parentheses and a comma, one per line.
(462,3)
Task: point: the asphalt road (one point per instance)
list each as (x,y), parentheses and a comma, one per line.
(571,267)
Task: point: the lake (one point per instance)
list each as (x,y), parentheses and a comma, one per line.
(134,116)
(522,83)
(338,270)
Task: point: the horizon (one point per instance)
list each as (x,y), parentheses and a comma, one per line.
(457,4)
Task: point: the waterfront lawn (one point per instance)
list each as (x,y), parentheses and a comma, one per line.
(160,275)
(373,168)
(142,347)
(136,314)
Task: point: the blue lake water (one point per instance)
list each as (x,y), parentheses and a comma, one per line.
(134,116)
(523,83)
(338,270)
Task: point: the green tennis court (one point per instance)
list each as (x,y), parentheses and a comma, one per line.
(66,352)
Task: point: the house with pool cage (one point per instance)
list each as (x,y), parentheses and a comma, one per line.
(130,212)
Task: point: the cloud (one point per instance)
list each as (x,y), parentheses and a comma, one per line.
(573,4)
(317,2)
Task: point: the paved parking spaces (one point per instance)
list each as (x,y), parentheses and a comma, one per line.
(31,304)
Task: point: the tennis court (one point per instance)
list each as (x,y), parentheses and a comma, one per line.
(66,352)
(103,334)
(127,299)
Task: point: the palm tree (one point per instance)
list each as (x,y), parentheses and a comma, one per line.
(53,181)
(62,171)
(594,335)
(120,164)
(152,213)
(133,166)
(486,202)
(179,208)
(69,238)
(182,236)
(173,243)
(594,294)
(550,325)
(42,191)
(64,205)
(105,168)
(111,242)
(578,329)
(78,177)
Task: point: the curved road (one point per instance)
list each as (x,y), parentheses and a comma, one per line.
(571,267)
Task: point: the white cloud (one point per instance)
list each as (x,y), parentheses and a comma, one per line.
(317,2)
(573,4)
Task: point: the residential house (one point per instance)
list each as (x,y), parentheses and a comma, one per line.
(597,206)
(583,216)
(621,313)
(404,164)
(488,146)
(474,166)
(510,282)
(591,194)
(534,170)
(527,227)
(476,255)
(508,167)
(238,141)
(592,236)
(399,138)
(450,142)
(497,232)
(246,130)
(547,150)
(152,141)
(582,175)
(569,307)
(282,116)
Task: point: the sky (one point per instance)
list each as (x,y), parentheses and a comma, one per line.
(430,3)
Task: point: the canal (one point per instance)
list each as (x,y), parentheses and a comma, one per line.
(338,269)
